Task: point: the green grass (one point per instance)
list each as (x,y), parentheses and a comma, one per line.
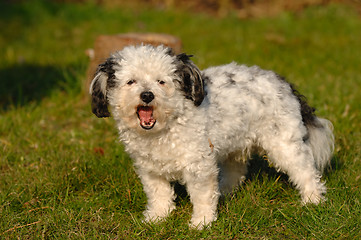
(63,175)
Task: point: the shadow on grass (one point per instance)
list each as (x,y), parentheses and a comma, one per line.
(336,164)
(258,168)
(25,83)
(21,84)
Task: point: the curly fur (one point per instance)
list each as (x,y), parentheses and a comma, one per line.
(200,127)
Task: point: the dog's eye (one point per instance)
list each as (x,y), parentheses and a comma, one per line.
(161,82)
(130,82)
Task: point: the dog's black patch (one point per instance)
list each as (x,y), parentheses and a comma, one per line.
(99,102)
(170,51)
(230,77)
(183,57)
(307,112)
(192,83)
(206,79)
(306,137)
(99,99)
(107,68)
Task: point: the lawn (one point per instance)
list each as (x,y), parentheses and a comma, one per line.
(64,175)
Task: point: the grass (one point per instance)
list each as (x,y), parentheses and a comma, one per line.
(63,175)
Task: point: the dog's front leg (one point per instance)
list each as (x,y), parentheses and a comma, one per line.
(160,197)
(204,194)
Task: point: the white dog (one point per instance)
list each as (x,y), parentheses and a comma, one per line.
(199,127)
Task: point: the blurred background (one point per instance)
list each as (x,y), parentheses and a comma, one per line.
(44,43)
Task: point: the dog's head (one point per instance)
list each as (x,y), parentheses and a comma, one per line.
(145,86)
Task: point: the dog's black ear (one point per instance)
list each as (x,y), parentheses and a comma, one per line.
(191,79)
(103,80)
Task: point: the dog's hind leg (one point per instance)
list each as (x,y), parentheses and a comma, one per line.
(232,172)
(294,157)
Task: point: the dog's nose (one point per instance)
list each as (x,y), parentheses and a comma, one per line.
(147,97)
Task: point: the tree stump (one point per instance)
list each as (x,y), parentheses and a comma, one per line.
(107,44)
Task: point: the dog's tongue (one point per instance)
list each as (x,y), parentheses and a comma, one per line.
(146,117)
(145,114)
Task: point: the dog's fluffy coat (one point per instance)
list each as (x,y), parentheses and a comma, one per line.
(200,127)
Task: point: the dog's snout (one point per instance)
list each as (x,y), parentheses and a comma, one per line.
(147,97)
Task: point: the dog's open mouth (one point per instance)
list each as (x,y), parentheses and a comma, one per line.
(145,115)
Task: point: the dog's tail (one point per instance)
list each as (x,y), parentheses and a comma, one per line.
(321,140)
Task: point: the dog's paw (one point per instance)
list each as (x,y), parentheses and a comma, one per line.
(202,222)
(153,218)
(157,215)
(314,197)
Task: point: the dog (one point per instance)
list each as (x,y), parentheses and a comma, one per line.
(201,127)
